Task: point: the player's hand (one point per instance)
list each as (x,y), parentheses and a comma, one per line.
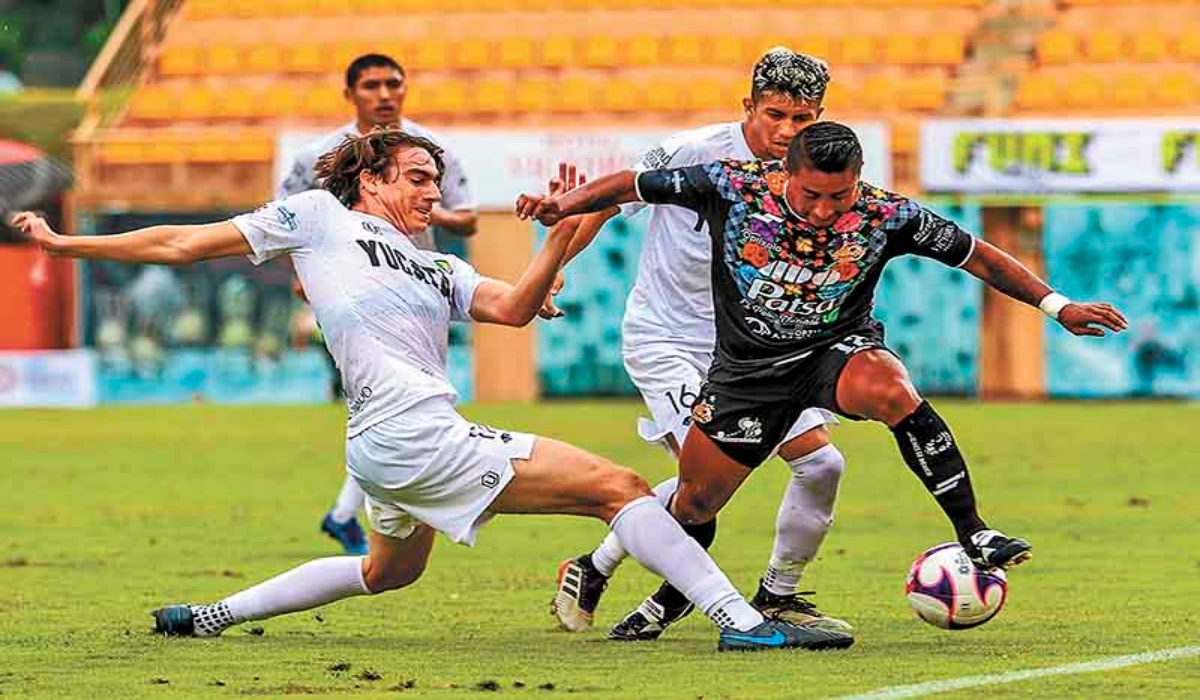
(38,230)
(1092,319)
(549,310)
(545,207)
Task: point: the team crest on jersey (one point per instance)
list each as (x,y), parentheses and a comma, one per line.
(702,412)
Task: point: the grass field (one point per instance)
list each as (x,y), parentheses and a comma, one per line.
(106,514)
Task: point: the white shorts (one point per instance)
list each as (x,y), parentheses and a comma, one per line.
(430,465)
(669,378)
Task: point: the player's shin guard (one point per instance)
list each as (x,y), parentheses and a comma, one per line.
(609,555)
(669,596)
(931,453)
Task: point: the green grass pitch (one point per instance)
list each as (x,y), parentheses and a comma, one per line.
(107,514)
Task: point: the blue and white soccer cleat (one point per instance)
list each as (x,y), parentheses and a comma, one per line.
(174,621)
(780,634)
(348,534)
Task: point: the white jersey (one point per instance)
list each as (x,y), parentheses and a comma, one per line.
(456,191)
(671,300)
(384,306)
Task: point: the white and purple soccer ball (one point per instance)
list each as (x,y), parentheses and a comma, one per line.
(947,590)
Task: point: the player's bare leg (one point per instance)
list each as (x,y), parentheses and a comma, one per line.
(875,385)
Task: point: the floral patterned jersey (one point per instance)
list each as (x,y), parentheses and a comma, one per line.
(780,285)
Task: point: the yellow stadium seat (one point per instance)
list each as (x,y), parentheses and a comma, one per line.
(575,94)
(152,104)
(706,93)
(197,103)
(166,150)
(472,54)
(491,96)
(431,54)
(516,52)
(902,49)
(223,60)
(209,151)
(619,95)
(1084,91)
(1130,89)
(416,101)
(1187,47)
(840,96)
(323,101)
(1150,46)
(448,97)
(557,52)
(943,49)
(533,95)
(328,8)
(642,51)
(727,51)
(859,49)
(754,47)
(685,51)
(344,53)
(200,10)
(878,92)
(278,100)
(816,45)
(252,149)
(1176,88)
(1104,46)
(1037,91)
(264,58)
(237,102)
(1058,47)
(122,152)
(180,60)
(600,52)
(305,58)
(663,95)
(925,92)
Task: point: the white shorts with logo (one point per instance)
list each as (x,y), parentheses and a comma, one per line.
(430,465)
(669,378)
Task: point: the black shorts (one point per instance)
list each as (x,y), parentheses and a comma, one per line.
(748,412)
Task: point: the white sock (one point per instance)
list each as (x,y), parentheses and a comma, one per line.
(804,517)
(350,500)
(652,536)
(309,585)
(609,555)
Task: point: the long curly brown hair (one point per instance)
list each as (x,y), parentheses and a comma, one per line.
(338,170)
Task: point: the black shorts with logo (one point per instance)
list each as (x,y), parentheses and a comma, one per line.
(747,412)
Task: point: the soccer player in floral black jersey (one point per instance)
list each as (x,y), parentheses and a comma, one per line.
(798,249)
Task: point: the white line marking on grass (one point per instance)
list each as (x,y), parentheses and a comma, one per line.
(1108,664)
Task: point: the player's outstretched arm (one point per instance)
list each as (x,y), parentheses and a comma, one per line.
(1006,274)
(595,196)
(167,245)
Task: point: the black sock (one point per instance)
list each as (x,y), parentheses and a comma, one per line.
(667,595)
(929,449)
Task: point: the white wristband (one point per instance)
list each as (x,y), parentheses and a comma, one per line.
(1052,304)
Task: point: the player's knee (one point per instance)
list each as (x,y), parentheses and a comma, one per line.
(694,506)
(897,399)
(380,579)
(822,471)
(624,485)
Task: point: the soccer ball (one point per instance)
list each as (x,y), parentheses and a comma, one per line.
(946,589)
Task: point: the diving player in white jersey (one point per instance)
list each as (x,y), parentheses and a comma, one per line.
(376,85)
(385,307)
(668,339)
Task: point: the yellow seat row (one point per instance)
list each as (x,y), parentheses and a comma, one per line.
(506,95)
(240,9)
(945,48)
(1106,90)
(1106,45)
(255,148)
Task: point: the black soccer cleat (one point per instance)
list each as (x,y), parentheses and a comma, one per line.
(795,609)
(992,549)
(648,621)
(580,586)
(174,621)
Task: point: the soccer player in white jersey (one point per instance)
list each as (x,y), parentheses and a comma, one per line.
(376,86)
(668,339)
(385,307)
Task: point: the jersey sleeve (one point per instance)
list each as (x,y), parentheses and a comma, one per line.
(931,235)
(464,281)
(671,153)
(689,187)
(286,226)
(456,189)
(299,178)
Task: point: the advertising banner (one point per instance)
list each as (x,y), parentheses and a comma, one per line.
(1060,155)
(48,379)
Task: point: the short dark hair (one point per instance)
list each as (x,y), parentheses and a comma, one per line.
(785,72)
(337,171)
(371,60)
(826,146)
